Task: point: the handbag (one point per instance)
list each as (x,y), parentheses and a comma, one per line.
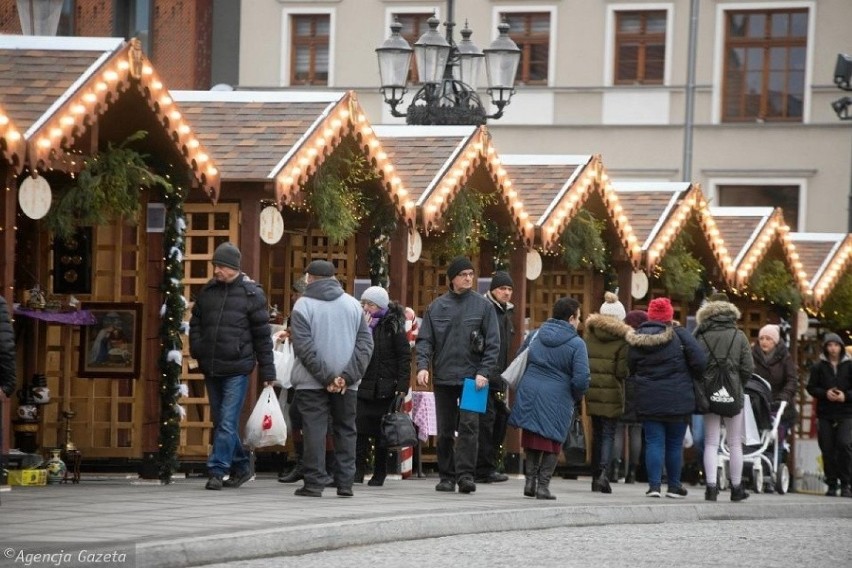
(515,371)
(574,448)
(397,428)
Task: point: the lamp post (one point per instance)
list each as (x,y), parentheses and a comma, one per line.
(449,73)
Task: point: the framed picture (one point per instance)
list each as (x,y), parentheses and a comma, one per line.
(112,347)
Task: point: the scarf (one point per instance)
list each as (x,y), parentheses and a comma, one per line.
(374,319)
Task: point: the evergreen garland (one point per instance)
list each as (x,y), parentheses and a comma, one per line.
(837,308)
(772,282)
(171,343)
(464,224)
(504,243)
(582,242)
(382,225)
(106,188)
(335,198)
(681,272)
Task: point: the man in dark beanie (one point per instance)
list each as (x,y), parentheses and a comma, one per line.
(229,333)
(492,424)
(459,337)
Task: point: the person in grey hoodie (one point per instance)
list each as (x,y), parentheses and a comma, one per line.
(332,344)
(460,339)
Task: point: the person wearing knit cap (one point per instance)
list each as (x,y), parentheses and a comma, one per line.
(607,349)
(773,362)
(662,359)
(459,339)
(726,347)
(387,376)
(492,424)
(229,335)
(830,383)
(635,318)
(332,344)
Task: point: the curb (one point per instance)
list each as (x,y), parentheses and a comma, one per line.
(287,541)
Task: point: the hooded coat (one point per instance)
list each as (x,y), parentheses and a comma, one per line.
(662,360)
(607,348)
(557,375)
(824,376)
(504,313)
(718,335)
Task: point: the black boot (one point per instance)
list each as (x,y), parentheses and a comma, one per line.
(545,472)
(296,473)
(380,467)
(531,466)
(361,449)
(596,484)
(613,471)
(603,483)
(631,474)
(738,493)
(711,493)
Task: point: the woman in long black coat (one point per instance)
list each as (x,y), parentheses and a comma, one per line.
(387,375)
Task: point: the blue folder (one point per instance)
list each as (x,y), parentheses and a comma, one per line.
(473,400)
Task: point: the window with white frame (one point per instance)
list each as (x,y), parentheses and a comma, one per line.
(531,32)
(413,26)
(309,48)
(640,47)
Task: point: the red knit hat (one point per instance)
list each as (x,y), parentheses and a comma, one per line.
(660,309)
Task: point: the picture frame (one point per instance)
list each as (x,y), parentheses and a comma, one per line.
(112,347)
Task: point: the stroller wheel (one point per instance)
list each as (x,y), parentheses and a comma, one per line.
(757,478)
(722,477)
(782,479)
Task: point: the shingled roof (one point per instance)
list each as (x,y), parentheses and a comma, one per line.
(52,87)
(825,257)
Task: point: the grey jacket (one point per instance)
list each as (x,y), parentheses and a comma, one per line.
(330,337)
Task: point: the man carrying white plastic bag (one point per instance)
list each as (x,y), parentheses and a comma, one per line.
(266,425)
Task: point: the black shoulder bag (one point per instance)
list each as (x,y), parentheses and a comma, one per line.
(397,428)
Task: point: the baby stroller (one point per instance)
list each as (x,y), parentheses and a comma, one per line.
(761,448)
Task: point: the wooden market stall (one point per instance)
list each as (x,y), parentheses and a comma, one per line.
(74,101)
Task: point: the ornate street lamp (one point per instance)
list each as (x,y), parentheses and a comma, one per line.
(449,72)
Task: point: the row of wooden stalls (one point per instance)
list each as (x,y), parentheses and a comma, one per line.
(66,99)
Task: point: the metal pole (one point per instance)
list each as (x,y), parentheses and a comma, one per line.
(688,122)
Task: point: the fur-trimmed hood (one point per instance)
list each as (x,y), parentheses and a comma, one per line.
(650,335)
(606,328)
(717,310)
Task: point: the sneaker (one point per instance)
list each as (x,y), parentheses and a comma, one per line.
(676,492)
(238,479)
(446,486)
(653,492)
(305,492)
(214,483)
(344,492)
(467,485)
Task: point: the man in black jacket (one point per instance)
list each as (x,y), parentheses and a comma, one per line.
(460,339)
(229,332)
(491,430)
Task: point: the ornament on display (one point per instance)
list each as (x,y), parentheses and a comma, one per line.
(533,264)
(415,245)
(271,225)
(639,285)
(56,468)
(34,196)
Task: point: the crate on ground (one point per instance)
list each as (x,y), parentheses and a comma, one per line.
(27,477)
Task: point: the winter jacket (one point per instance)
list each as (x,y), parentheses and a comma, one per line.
(444,339)
(780,372)
(824,376)
(330,337)
(607,350)
(504,312)
(390,364)
(7,350)
(718,335)
(557,375)
(229,329)
(662,360)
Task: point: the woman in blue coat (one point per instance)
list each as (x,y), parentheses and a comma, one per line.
(557,375)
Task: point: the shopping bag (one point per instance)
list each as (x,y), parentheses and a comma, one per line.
(283,358)
(515,371)
(266,426)
(397,428)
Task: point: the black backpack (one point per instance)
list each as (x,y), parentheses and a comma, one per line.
(720,384)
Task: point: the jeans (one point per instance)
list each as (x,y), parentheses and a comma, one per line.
(603,441)
(456,459)
(664,439)
(226,396)
(316,405)
(486,461)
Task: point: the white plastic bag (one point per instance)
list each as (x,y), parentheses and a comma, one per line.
(283,357)
(266,426)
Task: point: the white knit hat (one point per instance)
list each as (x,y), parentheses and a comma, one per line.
(612,307)
(377,295)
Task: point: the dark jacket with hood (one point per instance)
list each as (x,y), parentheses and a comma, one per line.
(824,376)
(444,339)
(780,372)
(229,330)
(556,377)
(7,350)
(390,365)
(662,359)
(504,313)
(607,348)
(718,335)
